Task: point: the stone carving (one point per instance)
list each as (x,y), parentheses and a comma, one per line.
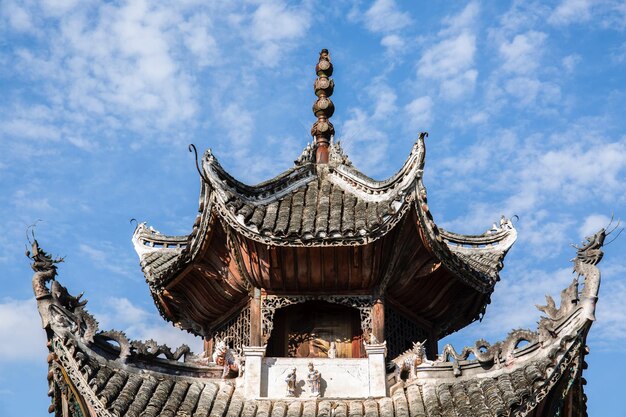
(45,269)
(588,255)
(226,358)
(291,383)
(332,350)
(119,338)
(549,322)
(60,293)
(151,349)
(307,155)
(487,353)
(67,314)
(504,224)
(337,155)
(408,361)
(590,251)
(237,330)
(314,381)
(369,337)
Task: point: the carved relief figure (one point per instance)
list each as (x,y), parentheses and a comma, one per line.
(332,350)
(291,383)
(314,378)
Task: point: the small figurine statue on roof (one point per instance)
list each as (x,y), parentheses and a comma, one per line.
(314,378)
(332,350)
(224,356)
(291,383)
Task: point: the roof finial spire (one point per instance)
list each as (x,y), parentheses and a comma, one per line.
(323,107)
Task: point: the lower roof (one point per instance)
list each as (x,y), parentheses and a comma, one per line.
(114,376)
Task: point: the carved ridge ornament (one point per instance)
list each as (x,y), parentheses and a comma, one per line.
(271,303)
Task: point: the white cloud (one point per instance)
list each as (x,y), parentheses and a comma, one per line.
(384,17)
(451,60)
(385,101)
(545,178)
(108,257)
(275,27)
(22,337)
(393,43)
(464,21)
(420,112)
(523,54)
(522,15)
(198,39)
(570,62)
(619,54)
(571,11)
(592,224)
(364,142)
(58,8)
(139,324)
(17,16)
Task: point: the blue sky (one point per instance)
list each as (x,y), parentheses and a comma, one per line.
(524,102)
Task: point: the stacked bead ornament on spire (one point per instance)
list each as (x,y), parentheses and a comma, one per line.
(323,108)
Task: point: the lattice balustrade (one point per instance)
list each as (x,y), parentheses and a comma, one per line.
(237,329)
(400,332)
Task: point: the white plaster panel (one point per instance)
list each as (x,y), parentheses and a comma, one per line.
(343,378)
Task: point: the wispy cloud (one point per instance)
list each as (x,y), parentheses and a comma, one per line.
(384,16)
(450,61)
(604,13)
(522,55)
(420,113)
(274,27)
(107,257)
(569,11)
(21,332)
(137,323)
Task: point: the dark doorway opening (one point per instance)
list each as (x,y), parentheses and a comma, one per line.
(306,330)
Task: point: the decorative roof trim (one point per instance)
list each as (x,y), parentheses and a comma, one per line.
(444,244)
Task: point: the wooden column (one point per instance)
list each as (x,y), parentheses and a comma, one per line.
(208,347)
(378,320)
(432,345)
(255,318)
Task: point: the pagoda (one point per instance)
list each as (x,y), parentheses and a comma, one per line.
(320,292)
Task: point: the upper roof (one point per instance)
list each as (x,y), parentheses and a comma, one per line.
(322,205)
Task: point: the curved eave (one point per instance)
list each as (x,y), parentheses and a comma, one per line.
(475,259)
(162,256)
(507,378)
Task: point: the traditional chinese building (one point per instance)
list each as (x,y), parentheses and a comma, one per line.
(320,292)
